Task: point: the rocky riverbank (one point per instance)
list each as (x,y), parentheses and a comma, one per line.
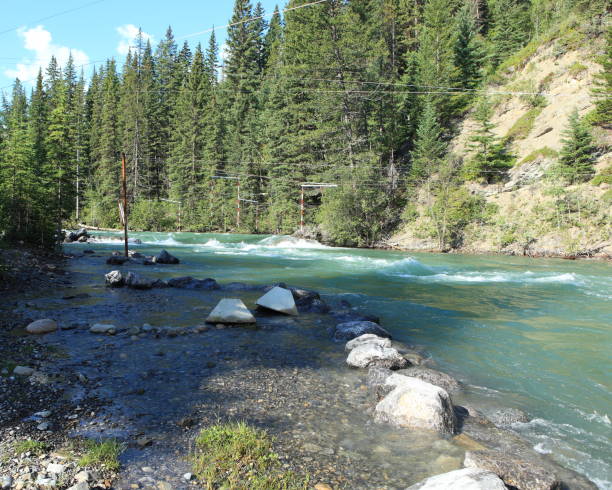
(161,374)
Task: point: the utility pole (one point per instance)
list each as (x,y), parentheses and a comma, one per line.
(317,185)
(125,208)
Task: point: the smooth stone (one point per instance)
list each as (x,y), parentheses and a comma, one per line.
(45,325)
(278,299)
(367,338)
(413,403)
(433,377)
(83,476)
(187,476)
(164,485)
(322,486)
(56,469)
(464,479)
(46,482)
(114,279)
(43,426)
(103,328)
(230,310)
(6,482)
(23,371)
(350,330)
(370,354)
(44,414)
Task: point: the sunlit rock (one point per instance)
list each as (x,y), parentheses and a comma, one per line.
(371,354)
(368,338)
(164,257)
(278,299)
(414,403)
(230,310)
(465,479)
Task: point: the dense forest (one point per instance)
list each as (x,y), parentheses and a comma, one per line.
(363,94)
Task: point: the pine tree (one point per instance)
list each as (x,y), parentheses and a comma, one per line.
(603,93)
(578,152)
(489,159)
(510,30)
(468,53)
(429,147)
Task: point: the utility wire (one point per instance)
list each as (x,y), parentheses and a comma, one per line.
(250,19)
(54,15)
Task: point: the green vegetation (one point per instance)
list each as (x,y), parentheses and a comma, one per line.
(576,69)
(603,105)
(523,125)
(365,95)
(30,446)
(238,456)
(545,152)
(578,152)
(604,177)
(101,454)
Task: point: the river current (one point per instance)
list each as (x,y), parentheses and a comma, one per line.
(533,334)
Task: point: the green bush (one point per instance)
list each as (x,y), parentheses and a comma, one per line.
(544,152)
(604,177)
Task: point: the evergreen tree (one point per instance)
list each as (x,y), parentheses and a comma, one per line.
(603,93)
(489,159)
(510,30)
(429,147)
(468,53)
(578,152)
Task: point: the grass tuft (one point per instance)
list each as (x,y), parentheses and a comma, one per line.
(30,446)
(523,125)
(604,177)
(102,453)
(545,152)
(237,456)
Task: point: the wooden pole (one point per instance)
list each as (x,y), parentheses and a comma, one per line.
(238,204)
(302,211)
(125,208)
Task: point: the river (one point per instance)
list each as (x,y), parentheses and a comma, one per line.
(527,333)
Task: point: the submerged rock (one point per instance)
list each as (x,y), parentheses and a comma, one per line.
(136,281)
(523,474)
(230,310)
(371,354)
(504,417)
(368,338)
(376,381)
(188,282)
(280,300)
(114,279)
(164,257)
(353,329)
(117,260)
(23,371)
(103,328)
(416,404)
(343,316)
(464,479)
(434,377)
(45,325)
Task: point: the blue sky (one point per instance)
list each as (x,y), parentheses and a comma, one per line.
(99,30)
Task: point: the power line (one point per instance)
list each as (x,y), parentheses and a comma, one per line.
(54,15)
(250,19)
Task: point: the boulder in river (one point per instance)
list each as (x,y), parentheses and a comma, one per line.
(188,282)
(114,279)
(413,403)
(45,325)
(353,329)
(280,300)
(136,281)
(464,479)
(117,260)
(367,338)
(519,473)
(372,354)
(434,377)
(230,310)
(377,381)
(164,257)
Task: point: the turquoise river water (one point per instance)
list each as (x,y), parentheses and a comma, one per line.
(533,334)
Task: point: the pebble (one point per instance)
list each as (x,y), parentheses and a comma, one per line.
(164,485)
(322,486)
(103,328)
(6,482)
(44,414)
(187,476)
(83,476)
(46,482)
(144,442)
(80,486)
(43,426)
(23,371)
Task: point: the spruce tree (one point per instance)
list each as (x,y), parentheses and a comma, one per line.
(510,30)
(468,53)
(578,153)
(429,147)
(603,91)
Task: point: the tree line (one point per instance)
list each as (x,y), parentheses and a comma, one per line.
(363,93)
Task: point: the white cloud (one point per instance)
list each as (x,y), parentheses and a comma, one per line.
(39,41)
(129,33)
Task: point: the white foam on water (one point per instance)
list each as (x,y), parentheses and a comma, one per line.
(526,277)
(539,447)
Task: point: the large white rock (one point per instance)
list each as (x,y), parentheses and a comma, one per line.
(367,338)
(279,299)
(371,354)
(42,326)
(414,403)
(465,479)
(230,310)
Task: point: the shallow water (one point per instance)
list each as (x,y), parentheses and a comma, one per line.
(531,334)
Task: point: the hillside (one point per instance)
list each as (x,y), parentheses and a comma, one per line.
(531,211)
